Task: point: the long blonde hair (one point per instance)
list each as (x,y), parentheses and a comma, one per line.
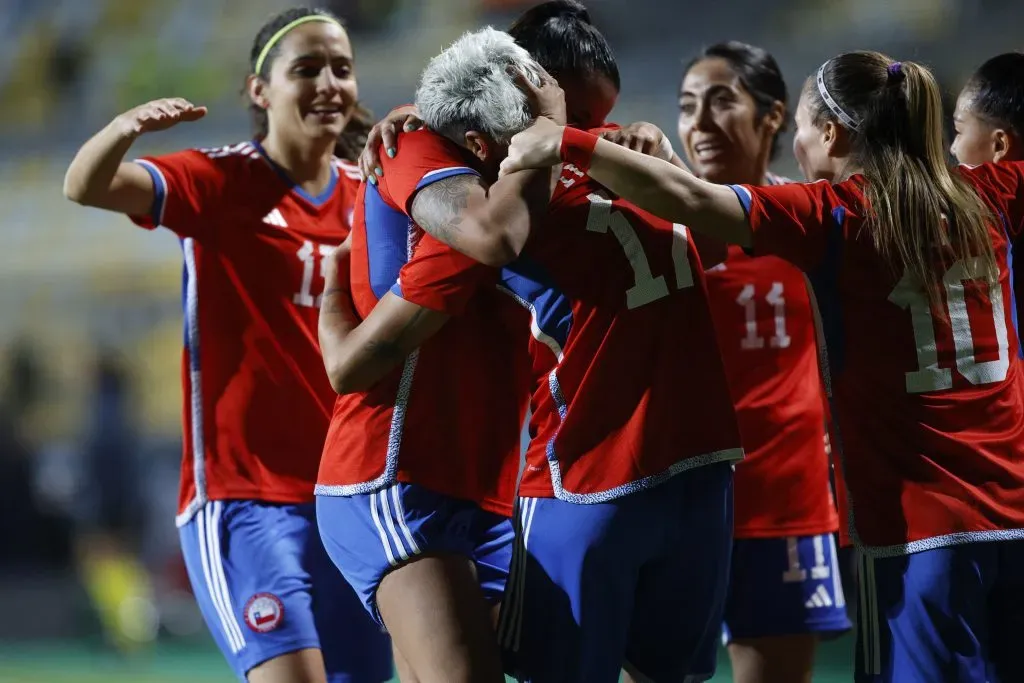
(920,212)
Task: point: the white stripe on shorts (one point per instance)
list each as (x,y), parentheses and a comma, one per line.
(213,571)
(400,518)
(380,530)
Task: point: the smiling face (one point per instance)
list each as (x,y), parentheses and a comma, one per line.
(310,91)
(724,137)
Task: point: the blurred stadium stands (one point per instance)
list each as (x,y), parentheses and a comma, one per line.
(74,281)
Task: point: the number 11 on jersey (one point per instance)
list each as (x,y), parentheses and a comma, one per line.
(777,300)
(308,255)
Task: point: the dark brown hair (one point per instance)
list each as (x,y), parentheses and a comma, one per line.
(918,206)
(350,142)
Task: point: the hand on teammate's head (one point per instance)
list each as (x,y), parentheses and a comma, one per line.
(546,99)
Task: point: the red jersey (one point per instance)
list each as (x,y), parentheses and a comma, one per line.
(256,398)
(449,418)
(765,324)
(929,408)
(629,386)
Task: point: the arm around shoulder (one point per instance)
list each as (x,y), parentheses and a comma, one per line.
(450,210)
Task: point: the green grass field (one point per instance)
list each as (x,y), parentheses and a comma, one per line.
(80,663)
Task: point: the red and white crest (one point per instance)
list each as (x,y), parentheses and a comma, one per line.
(264,612)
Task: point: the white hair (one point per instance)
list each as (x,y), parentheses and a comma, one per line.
(469,87)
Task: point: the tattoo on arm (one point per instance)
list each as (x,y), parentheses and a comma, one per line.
(438,208)
(392,350)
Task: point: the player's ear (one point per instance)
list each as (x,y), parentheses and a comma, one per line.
(1002,144)
(775,119)
(479,144)
(835,139)
(257,89)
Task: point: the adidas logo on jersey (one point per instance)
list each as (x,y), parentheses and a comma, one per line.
(821,598)
(275,218)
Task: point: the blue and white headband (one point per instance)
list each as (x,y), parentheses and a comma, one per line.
(843,117)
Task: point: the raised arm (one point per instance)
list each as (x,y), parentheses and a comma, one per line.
(668,191)
(648,139)
(98,175)
(358,354)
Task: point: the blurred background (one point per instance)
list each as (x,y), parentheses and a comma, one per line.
(91,580)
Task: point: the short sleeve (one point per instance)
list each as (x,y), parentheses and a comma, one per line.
(185,183)
(790,221)
(423,157)
(440,278)
(1002,184)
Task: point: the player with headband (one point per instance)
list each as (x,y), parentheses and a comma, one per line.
(910,262)
(257,221)
(785,588)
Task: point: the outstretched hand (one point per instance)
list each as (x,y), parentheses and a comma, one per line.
(160,115)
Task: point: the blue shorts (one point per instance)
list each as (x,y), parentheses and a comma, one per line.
(638,583)
(784,586)
(948,614)
(368,535)
(255,568)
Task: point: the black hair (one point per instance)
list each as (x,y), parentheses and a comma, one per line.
(563,40)
(352,139)
(998,89)
(759,75)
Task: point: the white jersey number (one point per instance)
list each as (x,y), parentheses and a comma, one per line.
(929,376)
(777,300)
(646,288)
(796,573)
(308,255)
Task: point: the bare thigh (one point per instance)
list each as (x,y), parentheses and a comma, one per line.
(303,666)
(773,659)
(440,622)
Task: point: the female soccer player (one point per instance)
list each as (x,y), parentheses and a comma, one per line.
(909,260)
(256,222)
(989,117)
(989,123)
(560,36)
(785,587)
(656,606)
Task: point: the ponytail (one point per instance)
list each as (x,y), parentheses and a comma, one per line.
(921,215)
